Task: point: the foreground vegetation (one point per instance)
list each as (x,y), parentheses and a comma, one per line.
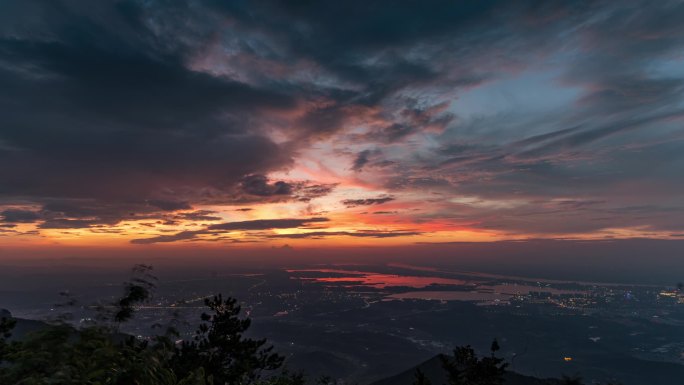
(464,367)
(99,354)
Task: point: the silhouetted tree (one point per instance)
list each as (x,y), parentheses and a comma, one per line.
(420,378)
(222,350)
(495,347)
(6,326)
(571,380)
(465,368)
(98,354)
(136,291)
(62,354)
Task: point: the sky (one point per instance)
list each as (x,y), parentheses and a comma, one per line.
(327,124)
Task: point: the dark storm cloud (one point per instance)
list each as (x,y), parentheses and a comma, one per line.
(358,234)
(617,143)
(579,160)
(369,158)
(306,192)
(367,201)
(19,216)
(62,223)
(258,237)
(169,205)
(181,236)
(220,228)
(259,185)
(88,213)
(366,53)
(266,224)
(199,215)
(133,109)
(118,98)
(361,160)
(414,119)
(259,188)
(110,111)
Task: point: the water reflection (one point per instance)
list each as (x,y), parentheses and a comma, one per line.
(371,279)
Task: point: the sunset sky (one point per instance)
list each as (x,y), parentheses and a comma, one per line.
(144,124)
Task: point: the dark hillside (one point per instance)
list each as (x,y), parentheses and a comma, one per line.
(434,372)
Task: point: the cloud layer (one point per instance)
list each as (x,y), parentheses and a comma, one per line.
(162,122)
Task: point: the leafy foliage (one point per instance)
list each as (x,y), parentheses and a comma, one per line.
(421,378)
(6,326)
(137,290)
(465,368)
(221,349)
(219,354)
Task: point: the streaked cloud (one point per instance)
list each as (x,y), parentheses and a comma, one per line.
(367,201)
(152,122)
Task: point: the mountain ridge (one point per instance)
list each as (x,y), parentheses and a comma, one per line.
(432,368)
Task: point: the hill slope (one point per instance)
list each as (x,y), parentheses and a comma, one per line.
(433,370)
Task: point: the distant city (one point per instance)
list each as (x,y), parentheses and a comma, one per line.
(362,323)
